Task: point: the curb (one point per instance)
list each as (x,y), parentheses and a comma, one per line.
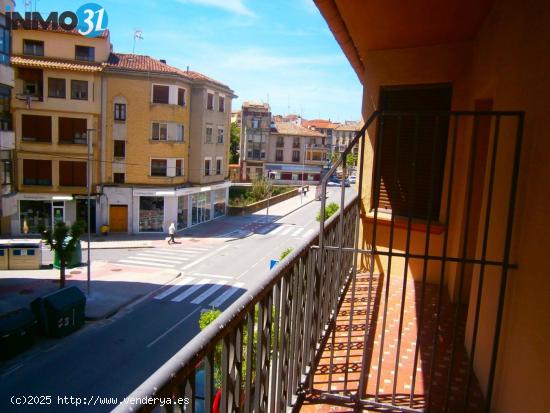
(295,209)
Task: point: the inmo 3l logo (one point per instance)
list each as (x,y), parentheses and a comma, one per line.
(89,20)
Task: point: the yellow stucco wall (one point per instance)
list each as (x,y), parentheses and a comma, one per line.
(136,91)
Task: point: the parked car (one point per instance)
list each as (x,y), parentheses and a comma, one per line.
(352,179)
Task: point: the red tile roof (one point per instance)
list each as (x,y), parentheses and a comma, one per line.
(319,124)
(142,63)
(288,128)
(103,35)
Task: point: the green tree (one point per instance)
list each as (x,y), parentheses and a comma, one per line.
(234,143)
(330,210)
(63,241)
(351,159)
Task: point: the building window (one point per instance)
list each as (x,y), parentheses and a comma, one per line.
(84,53)
(181,97)
(279,155)
(179,167)
(34,215)
(32,81)
(296,143)
(36,128)
(161,93)
(79,89)
(5,43)
(160,131)
(5,101)
(56,88)
(295,156)
(219,202)
(221,104)
(180,132)
(210,101)
(119,178)
(280,142)
(207,166)
(72,173)
(220,135)
(262,154)
(119,149)
(183,212)
(209,132)
(159,167)
(33,47)
(218,166)
(120,111)
(255,123)
(151,213)
(407,190)
(72,130)
(37,172)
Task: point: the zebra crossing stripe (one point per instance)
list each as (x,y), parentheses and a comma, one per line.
(190,291)
(146,263)
(209,292)
(297,232)
(287,231)
(225,296)
(164,253)
(155,258)
(196,249)
(174,288)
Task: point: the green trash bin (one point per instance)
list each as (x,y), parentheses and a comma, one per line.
(17,332)
(60,313)
(75,259)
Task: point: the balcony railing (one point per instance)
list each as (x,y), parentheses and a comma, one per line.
(335,324)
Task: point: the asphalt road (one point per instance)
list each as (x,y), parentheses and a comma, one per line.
(111,358)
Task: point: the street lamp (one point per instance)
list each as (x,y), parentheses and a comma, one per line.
(88,204)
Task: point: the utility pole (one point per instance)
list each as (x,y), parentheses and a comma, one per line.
(88,204)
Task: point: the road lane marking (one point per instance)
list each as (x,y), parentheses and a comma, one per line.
(204,258)
(190,291)
(155,258)
(198,274)
(196,249)
(166,253)
(209,292)
(225,296)
(174,288)
(152,343)
(297,232)
(287,231)
(276,230)
(151,264)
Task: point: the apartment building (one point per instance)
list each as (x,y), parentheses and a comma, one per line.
(295,154)
(7,137)
(323,126)
(343,134)
(56,111)
(255,129)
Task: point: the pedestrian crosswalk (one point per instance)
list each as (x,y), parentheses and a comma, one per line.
(198,290)
(290,231)
(163,258)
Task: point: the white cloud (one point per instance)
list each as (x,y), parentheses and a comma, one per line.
(233,6)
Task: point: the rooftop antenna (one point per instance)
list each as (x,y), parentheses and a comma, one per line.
(138,35)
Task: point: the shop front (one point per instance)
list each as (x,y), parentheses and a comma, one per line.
(294,174)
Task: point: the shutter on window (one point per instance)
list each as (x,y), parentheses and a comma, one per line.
(44,172)
(79,173)
(413,175)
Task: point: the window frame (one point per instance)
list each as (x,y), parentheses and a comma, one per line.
(159,130)
(72,176)
(39,165)
(119,174)
(210,105)
(221,103)
(57,79)
(277,157)
(180,169)
(119,112)
(115,149)
(294,152)
(184,100)
(222,129)
(75,82)
(165,167)
(219,165)
(209,136)
(35,43)
(207,171)
(160,85)
(36,138)
(88,57)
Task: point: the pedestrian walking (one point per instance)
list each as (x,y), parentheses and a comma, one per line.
(172,233)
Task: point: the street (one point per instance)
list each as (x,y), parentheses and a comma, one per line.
(110,358)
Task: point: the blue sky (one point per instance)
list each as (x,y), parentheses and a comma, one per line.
(277,48)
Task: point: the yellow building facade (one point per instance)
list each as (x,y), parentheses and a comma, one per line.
(56,107)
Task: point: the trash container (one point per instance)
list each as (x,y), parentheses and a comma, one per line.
(17,332)
(60,313)
(4,254)
(25,256)
(75,259)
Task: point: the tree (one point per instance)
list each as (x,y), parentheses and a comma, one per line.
(63,241)
(234,143)
(262,188)
(351,159)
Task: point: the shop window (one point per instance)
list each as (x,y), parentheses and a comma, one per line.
(219,202)
(33,215)
(183,212)
(72,173)
(151,213)
(37,172)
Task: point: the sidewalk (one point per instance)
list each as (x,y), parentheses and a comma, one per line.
(111,288)
(284,208)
